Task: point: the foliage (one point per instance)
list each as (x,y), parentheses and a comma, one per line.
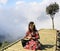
(0,44)
(52,9)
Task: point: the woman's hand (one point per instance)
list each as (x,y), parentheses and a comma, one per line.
(28,37)
(33,37)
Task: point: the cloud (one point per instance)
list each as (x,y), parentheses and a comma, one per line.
(12,24)
(14,21)
(29,10)
(19,2)
(35,11)
(3,1)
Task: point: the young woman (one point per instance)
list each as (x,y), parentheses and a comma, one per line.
(32,35)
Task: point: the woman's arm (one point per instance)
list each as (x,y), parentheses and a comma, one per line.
(28,35)
(37,35)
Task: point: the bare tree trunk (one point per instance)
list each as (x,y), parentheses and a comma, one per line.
(52,21)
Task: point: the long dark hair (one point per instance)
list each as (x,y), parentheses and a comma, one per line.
(34,28)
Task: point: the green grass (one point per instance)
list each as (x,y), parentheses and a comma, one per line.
(3,44)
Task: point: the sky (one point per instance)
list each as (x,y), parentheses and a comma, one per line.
(15,16)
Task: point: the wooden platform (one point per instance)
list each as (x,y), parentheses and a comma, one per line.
(47,38)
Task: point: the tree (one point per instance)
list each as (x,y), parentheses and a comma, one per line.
(52,9)
(5,43)
(0,44)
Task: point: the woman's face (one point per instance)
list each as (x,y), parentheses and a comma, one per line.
(31,26)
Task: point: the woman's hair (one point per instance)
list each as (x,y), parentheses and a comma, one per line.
(34,28)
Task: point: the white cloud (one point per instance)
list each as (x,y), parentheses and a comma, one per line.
(33,10)
(29,10)
(15,20)
(19,2)
(12,24)
(3,1)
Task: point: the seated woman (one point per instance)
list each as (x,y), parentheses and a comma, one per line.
(31,39)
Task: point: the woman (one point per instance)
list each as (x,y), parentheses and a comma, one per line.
(32,37)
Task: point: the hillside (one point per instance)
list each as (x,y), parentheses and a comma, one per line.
(47,38)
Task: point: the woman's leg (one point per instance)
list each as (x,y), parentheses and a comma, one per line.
(38,45)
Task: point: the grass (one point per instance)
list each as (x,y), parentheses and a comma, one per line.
(3,44)
(48,39)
